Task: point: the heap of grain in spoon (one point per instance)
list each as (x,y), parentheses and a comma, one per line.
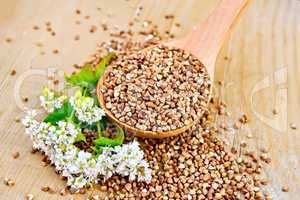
(157,89)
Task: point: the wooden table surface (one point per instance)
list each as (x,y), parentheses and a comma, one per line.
(259,64)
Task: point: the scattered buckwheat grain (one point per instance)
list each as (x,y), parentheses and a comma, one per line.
(93,29)
(36,27)
(45,188)
(8,40)
(244,119)
(29,197)
(17,120)
(13,72)
(55,51)
(274,111)
(63,192)
(293,126)
(285,188)
(16,155)
(78,12)
(77,37)
(9,182)
(39,44)
(25,99)
(55,82)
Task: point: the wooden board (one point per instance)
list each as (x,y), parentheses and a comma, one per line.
(259,63)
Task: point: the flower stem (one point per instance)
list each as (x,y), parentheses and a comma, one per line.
(99,129)
(71,117)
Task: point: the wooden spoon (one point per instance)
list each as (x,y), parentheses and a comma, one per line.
(204,42)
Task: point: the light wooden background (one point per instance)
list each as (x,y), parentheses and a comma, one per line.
(262,73)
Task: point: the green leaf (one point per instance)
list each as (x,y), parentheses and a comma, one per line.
(60,114)
(100,68)
(87,77)
(80,137)
(111,142)
(97,150)
(84,78)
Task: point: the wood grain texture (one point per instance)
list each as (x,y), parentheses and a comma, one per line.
(260,73)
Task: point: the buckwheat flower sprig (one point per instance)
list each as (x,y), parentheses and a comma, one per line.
(51,100)
(83,168)
(85,108)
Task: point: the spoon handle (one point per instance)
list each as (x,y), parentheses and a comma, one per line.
(206,39)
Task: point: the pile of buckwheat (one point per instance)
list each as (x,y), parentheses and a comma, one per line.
(193,165)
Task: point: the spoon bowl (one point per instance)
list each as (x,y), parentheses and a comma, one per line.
(136,131)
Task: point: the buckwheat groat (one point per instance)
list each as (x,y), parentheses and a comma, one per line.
(157,89)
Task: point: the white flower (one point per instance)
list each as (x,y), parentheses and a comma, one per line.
(29,118)
(68,128)
(51,100)
(143,172)
(105,164)
(92,170)
(129,159)
(85,108)
(78,182)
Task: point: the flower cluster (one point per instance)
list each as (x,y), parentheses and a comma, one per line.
(85,108)
(126,160)
(79,167)
(50,100)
